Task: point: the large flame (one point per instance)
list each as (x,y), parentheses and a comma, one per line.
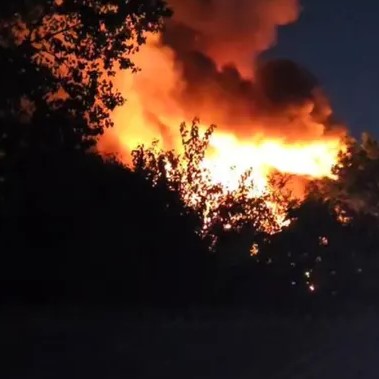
(308,158)
(269,118)
(152,112)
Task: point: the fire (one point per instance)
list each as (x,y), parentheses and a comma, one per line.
(152,112)
(309,158)
(272,118)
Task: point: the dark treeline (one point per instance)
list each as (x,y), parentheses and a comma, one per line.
(76,227)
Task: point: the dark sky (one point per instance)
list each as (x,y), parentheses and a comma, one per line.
(338,40)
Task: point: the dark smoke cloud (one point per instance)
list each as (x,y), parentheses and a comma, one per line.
(283,82)
(217,44)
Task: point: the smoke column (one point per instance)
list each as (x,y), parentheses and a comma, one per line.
(207,64)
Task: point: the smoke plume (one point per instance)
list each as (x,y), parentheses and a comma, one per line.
(217,46)
(207,64)
(230,32)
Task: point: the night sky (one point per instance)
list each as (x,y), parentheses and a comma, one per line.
(338,41)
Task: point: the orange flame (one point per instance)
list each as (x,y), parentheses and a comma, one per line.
(154,110)
(309,158)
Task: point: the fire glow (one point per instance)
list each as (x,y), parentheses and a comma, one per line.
(310,159)
(270,119)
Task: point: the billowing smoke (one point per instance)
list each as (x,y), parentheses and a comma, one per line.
(229,31)
(217,45)
(207,64)
(270,115)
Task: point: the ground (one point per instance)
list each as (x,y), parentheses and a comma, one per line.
(82,343)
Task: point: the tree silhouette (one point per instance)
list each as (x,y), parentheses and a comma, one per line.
(326,253)
(235,224)
(58,59)
(357,184)
(57,62)
(322,254)
(69,217)
(219,209)
(90,228)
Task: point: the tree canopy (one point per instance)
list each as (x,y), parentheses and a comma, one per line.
(61,56)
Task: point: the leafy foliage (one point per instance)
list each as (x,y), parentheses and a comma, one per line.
(327,248)
(357,187)
(219,209)
(61,56)
(89,227)
(57,60)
